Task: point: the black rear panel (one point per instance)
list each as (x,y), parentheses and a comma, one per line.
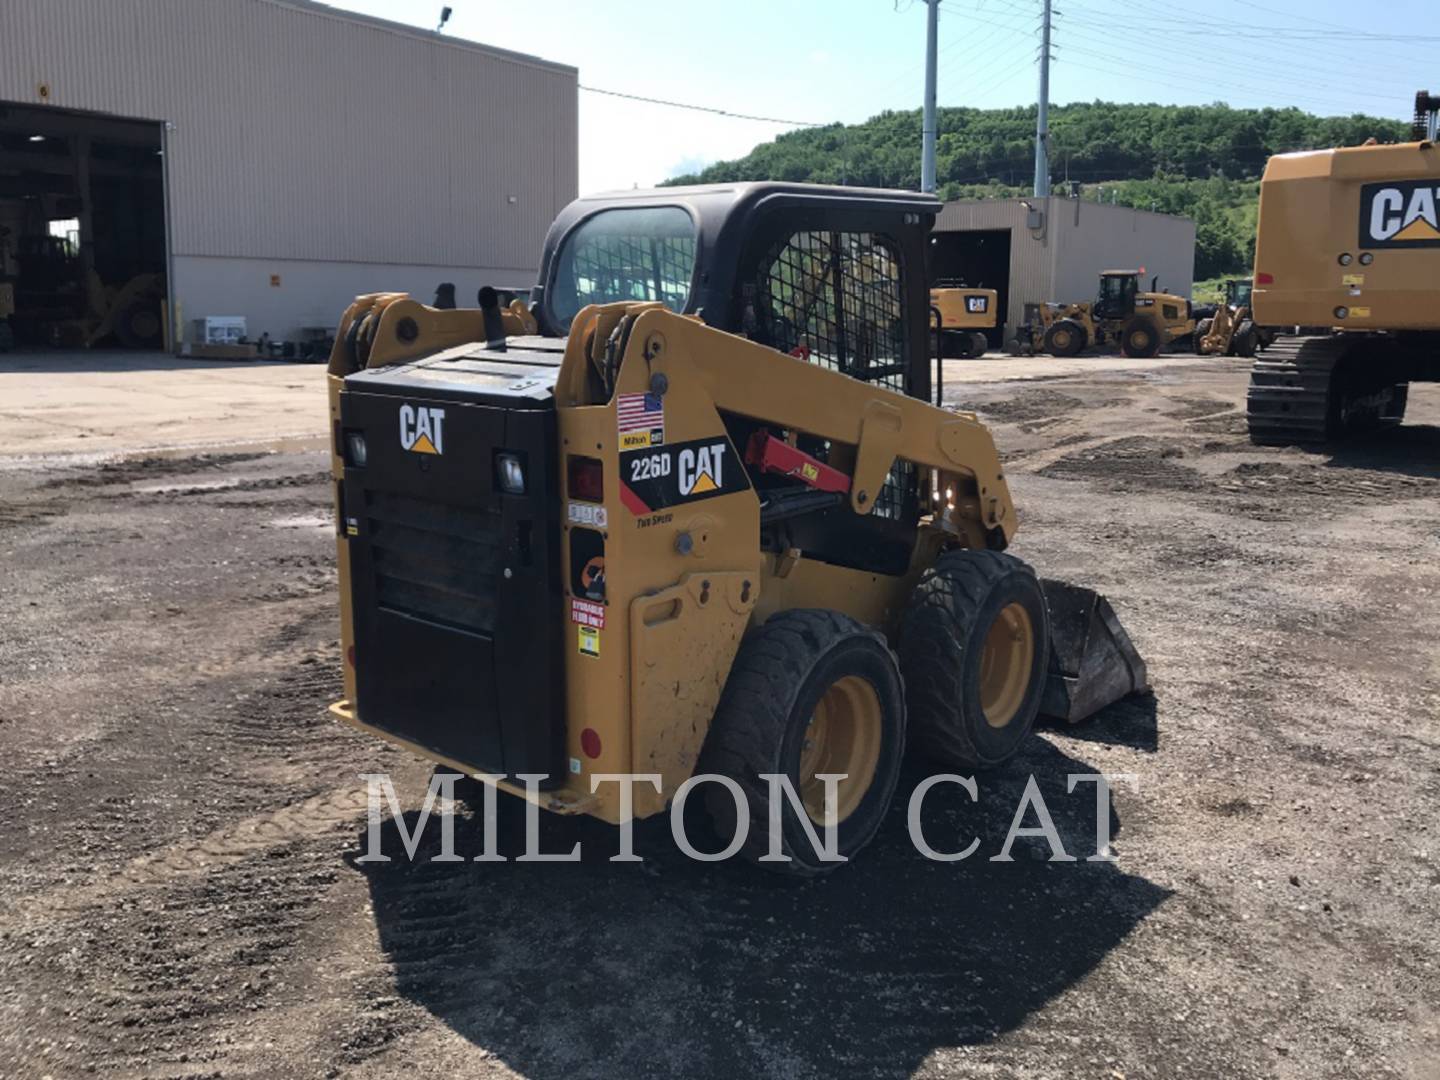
(455,593)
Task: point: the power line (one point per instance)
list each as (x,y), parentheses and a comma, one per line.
(705,108)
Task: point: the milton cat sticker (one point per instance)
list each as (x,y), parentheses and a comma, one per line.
(422,429)
(657,477)
(1400,214)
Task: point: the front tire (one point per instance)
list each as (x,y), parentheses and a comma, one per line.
(1140,339)
(1202,330)
(1065,337)
(974,648)
(811,691)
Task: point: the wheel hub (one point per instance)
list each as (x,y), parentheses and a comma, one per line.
(1006,661)
(843,736)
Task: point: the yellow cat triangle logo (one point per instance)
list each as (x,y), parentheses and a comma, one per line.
(1419,229)
(704,482)
(423,445)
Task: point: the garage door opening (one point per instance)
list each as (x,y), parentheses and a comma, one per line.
(83,250)
(980,259)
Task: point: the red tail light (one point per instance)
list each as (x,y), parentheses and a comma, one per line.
(586,479)
(1264,279)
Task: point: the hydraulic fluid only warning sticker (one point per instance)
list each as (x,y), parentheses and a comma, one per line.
(640,419)
(685,472)
(587,613)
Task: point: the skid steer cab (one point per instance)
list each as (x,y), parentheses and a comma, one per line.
(690,512)
(1122,315)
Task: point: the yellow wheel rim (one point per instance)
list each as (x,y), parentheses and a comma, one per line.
(1006,661)
(1062,340)
(843,736)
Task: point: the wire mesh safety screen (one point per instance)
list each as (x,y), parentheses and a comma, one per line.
(836,299)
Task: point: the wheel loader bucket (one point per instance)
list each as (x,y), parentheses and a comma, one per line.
(1092,660)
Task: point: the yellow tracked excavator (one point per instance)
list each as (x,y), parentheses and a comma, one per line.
(691,510)
(1348,251)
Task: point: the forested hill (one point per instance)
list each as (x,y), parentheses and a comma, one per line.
(1202,161)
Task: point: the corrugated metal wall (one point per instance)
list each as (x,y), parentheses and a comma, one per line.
(1094,237)
(303,132)
(1063,260)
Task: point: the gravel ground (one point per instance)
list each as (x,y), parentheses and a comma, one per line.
(181,895)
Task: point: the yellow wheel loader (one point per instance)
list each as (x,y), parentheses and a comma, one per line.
(1232,331)
(959,317)
(1348,243)
(1139,323)
(690,512)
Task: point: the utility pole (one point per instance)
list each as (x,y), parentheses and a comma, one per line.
(1042,114)
(927,147)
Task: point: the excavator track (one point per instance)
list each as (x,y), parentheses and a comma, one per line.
(1291,390)
(1322,388)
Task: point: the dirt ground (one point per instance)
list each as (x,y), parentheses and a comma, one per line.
(181,896)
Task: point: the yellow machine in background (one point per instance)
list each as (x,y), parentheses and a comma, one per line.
(1141,323)
(608,533)
(1348,242)
(962,315)
(1231,331)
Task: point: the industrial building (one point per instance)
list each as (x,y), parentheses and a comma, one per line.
(1035,250)
(264,159)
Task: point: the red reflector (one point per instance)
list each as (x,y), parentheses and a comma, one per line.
(1264,279)
(586,479)
(590,742)
(350,655)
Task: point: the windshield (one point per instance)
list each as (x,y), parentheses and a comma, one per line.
(1240,293)
(637,254)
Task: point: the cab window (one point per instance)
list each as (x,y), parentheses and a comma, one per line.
(635,254)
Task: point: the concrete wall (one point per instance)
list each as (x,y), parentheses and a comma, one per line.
(295,131)
(1062,260)
(314,293)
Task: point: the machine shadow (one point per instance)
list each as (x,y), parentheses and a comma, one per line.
(672,966)
(1407,449)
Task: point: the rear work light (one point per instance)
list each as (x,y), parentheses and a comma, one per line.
(586,479)
(355,450)
(510,473)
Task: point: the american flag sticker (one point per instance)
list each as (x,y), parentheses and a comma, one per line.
(640,419)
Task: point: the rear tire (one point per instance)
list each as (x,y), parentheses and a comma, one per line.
(1140,339)
(1244,341)
(1064,337)
(811,691)
(978,344)
(974,649)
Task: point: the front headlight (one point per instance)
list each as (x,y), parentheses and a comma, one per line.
(510,473)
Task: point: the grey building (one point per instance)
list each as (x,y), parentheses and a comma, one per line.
(1036,250)
(268,158)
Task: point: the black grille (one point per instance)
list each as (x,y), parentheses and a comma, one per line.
(434,561)
(835,298)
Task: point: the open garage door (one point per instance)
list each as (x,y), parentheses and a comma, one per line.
(978,258)
(83,249)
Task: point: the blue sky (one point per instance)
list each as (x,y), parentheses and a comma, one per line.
(817,61)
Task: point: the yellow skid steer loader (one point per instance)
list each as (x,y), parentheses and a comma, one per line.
(691,510)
